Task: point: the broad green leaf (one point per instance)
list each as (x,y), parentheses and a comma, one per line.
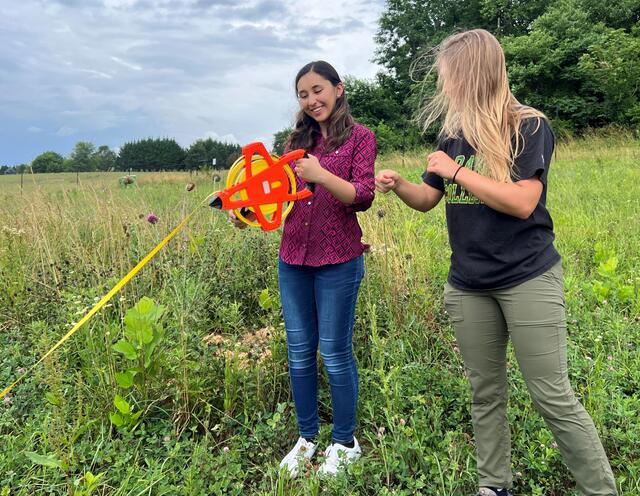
(158,335)
(121,404)
(600,253)
(608,268)
(156,314)
(147,356)
(124,379)
(44,460)
(132,322)
(145,305)
(52,399)
(126,348)
(91,480)
(116,419)
(145,333)
(137,329)
(264,300)
(133,319)
(149,310)
(600,290)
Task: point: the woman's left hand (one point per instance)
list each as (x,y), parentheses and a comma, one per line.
(440,163)
(310,170)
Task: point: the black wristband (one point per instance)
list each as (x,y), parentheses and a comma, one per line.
(453,179)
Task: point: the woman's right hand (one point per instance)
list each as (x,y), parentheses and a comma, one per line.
(387,180)
(237,222)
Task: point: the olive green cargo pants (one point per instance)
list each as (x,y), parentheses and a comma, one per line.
(533,315)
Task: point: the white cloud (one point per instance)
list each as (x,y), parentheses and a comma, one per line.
(126,64)
(227,138)
(66,131)
(97,73)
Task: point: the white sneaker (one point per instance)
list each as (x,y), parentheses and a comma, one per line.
(339,456)
(302,451)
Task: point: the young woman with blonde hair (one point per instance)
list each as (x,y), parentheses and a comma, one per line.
(505,279)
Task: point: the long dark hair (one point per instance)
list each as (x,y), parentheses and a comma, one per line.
(340,121)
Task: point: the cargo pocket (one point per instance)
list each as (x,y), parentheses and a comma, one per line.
(453,303)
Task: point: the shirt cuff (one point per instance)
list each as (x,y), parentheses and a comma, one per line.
(362,200)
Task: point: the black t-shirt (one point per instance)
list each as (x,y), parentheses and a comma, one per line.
(492,250)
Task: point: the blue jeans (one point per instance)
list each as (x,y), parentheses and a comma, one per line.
(319,306)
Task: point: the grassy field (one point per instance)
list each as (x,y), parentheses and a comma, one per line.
(194,397)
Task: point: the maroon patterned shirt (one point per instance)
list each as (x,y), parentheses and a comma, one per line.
(322,230)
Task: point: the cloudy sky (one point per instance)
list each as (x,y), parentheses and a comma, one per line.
(111,71)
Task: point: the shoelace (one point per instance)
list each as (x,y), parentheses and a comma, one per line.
(329,452)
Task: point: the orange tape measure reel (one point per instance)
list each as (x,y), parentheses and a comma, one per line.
(263,184)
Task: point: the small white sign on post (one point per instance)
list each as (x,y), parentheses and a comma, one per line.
(213,161)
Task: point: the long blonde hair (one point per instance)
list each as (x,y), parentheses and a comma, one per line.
(474,96)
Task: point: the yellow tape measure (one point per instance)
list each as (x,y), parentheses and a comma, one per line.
(106,297)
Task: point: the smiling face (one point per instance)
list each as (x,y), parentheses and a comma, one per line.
(317,96)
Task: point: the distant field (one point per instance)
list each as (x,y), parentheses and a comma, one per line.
(212,396)
(64,181)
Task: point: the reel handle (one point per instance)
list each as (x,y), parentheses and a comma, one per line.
(310,186)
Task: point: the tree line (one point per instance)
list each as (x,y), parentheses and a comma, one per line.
(576,60)
(148,154)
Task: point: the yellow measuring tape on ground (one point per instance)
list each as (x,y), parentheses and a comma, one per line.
(108,296)
(264,186)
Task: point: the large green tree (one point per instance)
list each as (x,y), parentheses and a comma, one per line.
(577,60)
(280,140)
(202,153)
(579,71)
(379,105)
(151,154)
(410,28)
(105,158)
(82,157)
(48,162)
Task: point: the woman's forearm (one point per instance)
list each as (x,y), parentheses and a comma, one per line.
(342,190)
(420,197)
(518,199)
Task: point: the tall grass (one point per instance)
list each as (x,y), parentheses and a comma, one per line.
(219,416)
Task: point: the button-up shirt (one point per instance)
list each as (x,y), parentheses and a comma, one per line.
(321,230)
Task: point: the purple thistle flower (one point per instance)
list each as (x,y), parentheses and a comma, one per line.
(152,218)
